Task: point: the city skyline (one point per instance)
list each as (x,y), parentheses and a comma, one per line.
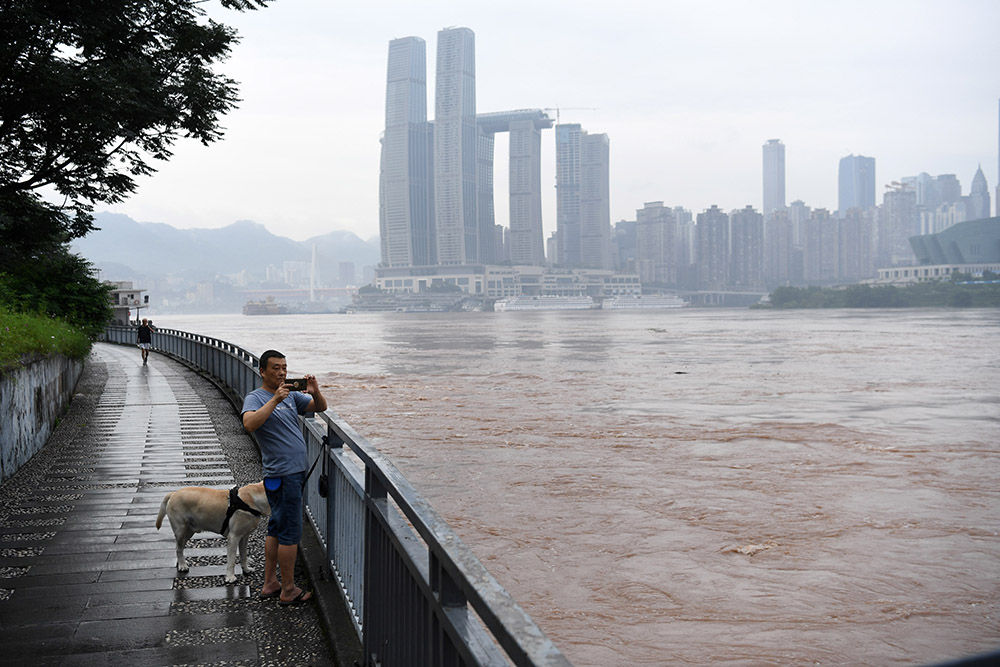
(685,123)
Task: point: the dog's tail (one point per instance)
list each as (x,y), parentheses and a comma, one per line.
(163,510)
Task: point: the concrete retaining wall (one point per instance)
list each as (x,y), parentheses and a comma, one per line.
(31,400)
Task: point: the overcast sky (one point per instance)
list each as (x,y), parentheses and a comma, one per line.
(686,91)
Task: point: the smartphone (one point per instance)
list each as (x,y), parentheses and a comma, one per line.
(298,384)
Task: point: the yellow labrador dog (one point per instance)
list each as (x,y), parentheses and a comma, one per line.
(234,514)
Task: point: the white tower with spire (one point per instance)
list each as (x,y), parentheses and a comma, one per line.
(979,197)
(312,276)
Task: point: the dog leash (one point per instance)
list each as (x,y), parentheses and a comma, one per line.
(322,451)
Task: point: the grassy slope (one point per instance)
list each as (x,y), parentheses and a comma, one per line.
(25,336)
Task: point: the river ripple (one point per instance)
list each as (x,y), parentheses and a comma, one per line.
(694,486)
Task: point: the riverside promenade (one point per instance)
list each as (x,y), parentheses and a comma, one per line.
(85,576)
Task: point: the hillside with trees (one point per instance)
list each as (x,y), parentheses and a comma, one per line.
(960,292)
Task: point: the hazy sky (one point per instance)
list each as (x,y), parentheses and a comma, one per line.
(687,92)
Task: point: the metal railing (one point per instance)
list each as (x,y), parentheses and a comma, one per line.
(416,593)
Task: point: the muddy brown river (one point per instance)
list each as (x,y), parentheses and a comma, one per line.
(696,486)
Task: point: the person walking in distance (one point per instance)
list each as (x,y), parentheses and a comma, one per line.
(271,412)
(145,338)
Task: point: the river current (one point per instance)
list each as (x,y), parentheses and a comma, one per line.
(693,486)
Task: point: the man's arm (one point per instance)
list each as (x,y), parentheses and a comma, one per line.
(254,419)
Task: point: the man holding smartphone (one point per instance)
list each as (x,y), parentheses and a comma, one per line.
(272,413)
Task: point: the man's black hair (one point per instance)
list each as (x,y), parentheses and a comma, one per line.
(268,355)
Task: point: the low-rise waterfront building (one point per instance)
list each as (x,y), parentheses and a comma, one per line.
(123,298)
(971,247)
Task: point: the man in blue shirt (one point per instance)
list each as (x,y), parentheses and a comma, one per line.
(272,413)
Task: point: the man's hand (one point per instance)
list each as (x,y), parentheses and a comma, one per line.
(281,393)
(318,403)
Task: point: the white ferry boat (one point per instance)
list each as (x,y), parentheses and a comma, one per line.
(644,302)
(544,302)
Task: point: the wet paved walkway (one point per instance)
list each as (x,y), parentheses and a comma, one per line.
(85,577)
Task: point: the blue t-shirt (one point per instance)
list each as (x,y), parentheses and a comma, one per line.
(282,447)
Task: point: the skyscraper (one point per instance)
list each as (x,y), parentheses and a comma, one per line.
(568,194)
(583,203)
(527,244)
(405,181)
(525,236)
(774,176)
(595,201)
(856,183)
(978,206)
(456,225)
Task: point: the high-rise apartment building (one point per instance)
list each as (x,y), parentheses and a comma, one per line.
(405,181)
(583,202)
(798,214)
(779,248)
(898,220)
(746,249)
(624,246)
(657,247)
(856,181)
(933,191)
(820,247)
(712,233)
(949,188)
(855,246)
(457,232)
(774,176)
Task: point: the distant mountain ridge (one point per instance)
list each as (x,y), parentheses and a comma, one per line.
(150,249)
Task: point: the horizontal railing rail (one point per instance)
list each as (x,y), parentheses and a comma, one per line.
(416,593)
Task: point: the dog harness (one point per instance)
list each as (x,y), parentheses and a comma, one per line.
(236,503)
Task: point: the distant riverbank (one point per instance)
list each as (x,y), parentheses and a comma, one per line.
(919,295)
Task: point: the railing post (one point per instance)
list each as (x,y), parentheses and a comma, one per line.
(332,441)
(448,595)
(373,626)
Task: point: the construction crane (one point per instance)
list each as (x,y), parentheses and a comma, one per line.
(557,109)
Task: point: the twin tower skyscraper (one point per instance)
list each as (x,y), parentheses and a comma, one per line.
(436,178)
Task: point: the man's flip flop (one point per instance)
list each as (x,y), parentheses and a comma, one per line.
(297,600)
(268,596)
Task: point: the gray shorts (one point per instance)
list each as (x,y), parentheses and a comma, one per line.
(145,346)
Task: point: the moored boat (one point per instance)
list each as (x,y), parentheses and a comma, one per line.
(645,301)
(544,302)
